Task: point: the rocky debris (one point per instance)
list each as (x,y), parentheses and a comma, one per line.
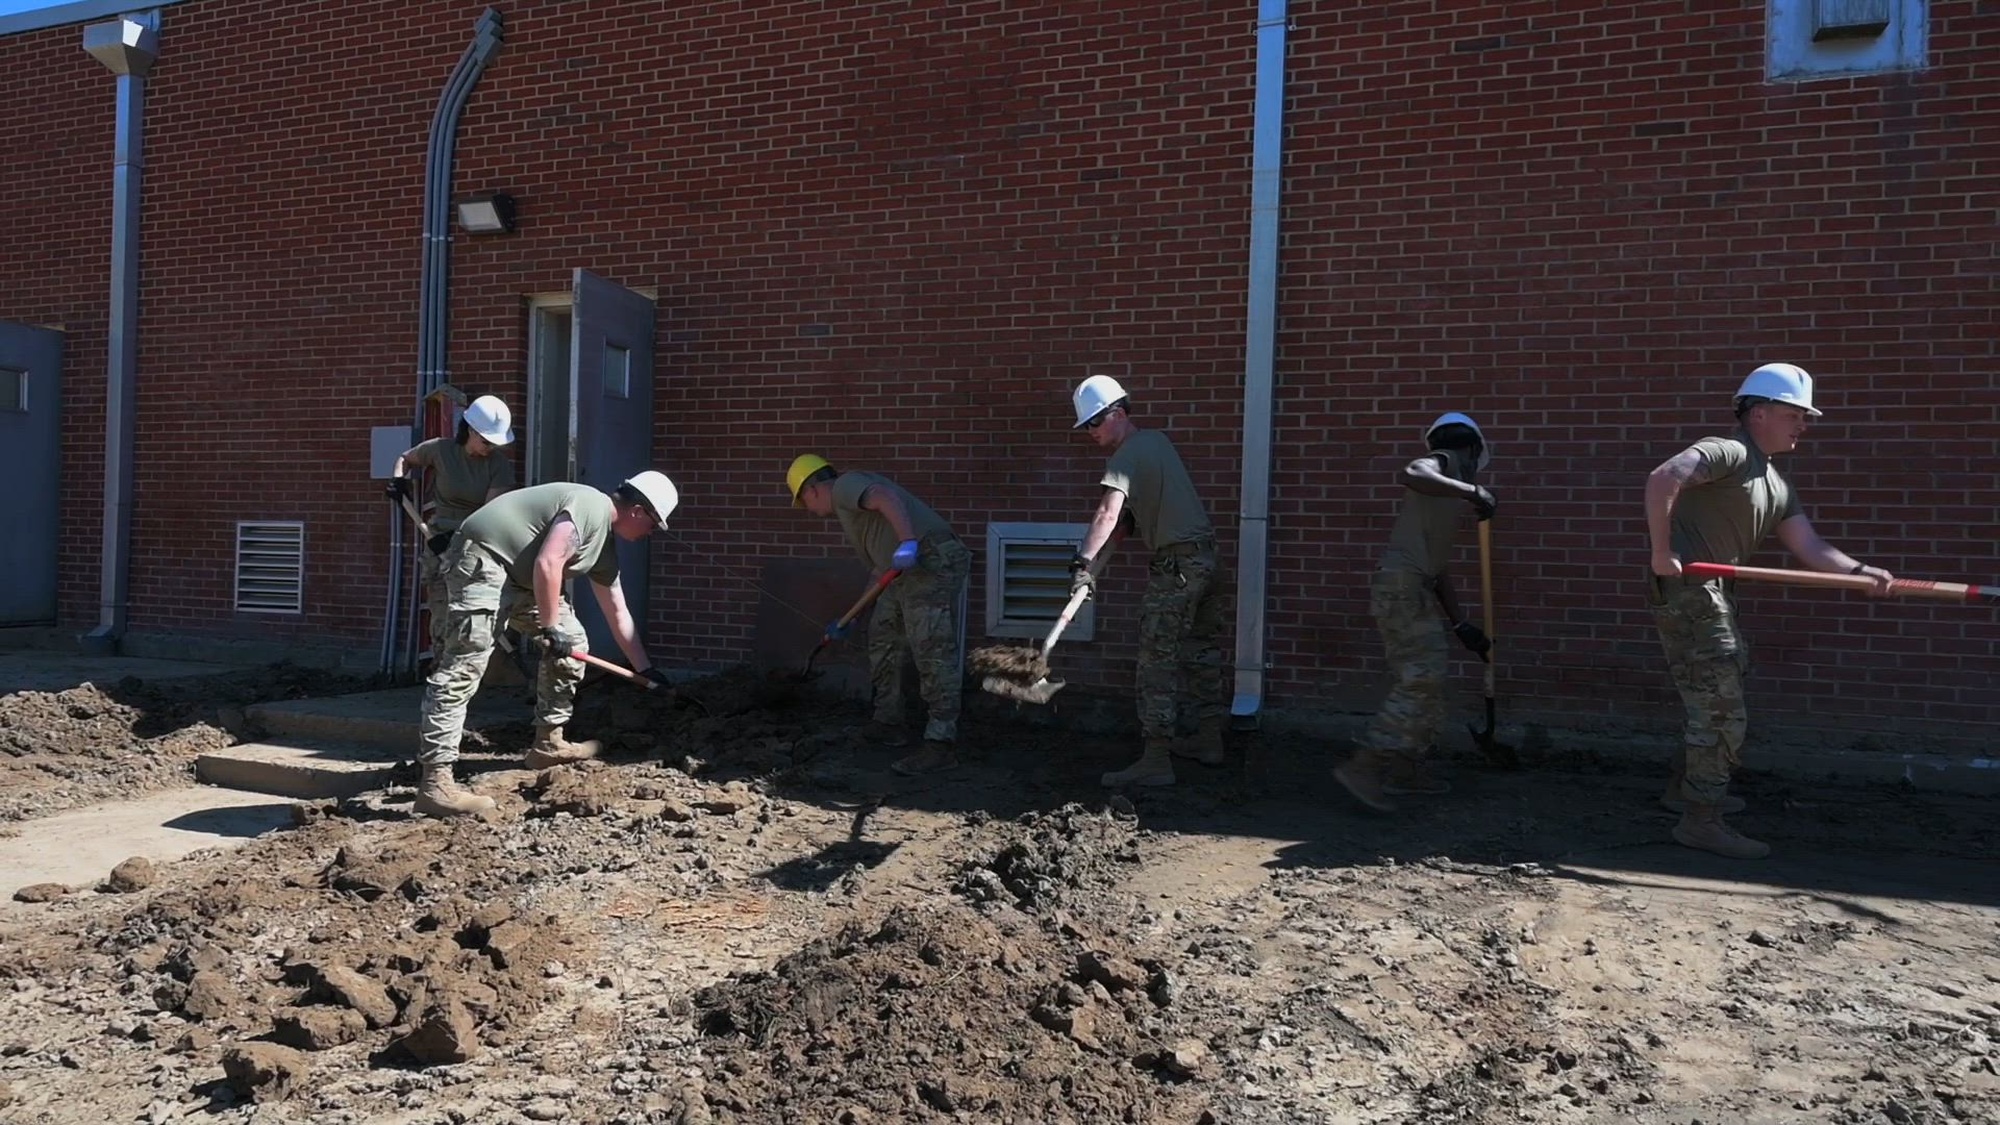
(392,870)
(41,892)
(337,984)
(268,1072)
(443,1032)
(318,1028)
(1052,857)
(210,997)
(731,799)
(134,874)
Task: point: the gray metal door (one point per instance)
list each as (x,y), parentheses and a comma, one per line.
(611,361)
(30,459)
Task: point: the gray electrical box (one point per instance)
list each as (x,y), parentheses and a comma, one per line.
(386,443)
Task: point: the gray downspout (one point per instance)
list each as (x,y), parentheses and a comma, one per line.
(433,309)
(128,46)
(1260,353)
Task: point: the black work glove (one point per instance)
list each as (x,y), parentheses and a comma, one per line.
(1473,638)
(1080,577)
(561,645)
(397,489)
(656,677)
(439,543)
(1483,502)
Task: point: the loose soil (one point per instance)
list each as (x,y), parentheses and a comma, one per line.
(743,916)
(95,742)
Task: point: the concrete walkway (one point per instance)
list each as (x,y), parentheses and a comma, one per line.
(79,848)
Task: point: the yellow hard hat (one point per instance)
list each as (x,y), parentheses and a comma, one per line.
(803,467)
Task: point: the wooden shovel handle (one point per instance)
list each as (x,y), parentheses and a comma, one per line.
(1900,587)
(615,669)
(868,597)
(1486,598)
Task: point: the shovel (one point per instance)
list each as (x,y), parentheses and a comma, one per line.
(1899,587)
(1497,752)
(1010,668)
(861,604)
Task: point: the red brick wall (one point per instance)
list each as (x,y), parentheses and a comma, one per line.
(1582,227)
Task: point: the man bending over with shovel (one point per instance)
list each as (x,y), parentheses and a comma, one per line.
(920,612)
(1715,502)
(1147,489)
(510,564)
(1409,587)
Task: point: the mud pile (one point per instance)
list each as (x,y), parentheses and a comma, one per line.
(1052,858)
(62,749)
(941,1009)
(739,722)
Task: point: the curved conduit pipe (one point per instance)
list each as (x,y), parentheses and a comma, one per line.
(433,312)
(1259,362)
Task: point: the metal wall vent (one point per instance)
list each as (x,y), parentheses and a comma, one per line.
(270,567)
(1027,580)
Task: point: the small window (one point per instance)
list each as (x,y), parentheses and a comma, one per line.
(270,567)
(13,390)
(617,372)
(1027,580)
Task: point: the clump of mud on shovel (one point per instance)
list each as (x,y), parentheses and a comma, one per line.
(1019,662)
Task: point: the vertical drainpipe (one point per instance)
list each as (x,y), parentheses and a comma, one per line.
(1260,353)
(128,46)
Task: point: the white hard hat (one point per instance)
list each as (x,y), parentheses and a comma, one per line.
(490,419)
(659,492)
(1454,418)
(1781,382)
(1094,396)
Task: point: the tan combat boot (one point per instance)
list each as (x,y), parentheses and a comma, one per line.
(1703,828)
(438,795)
(1205,745)
(1154,767)
(935,756)
(552,749)
(1362,775)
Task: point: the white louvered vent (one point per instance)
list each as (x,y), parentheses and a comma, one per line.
(1027,580)
(270,567)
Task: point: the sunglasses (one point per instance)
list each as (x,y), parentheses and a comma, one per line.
(1098,421)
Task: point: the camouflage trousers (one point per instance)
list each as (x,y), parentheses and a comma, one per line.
(1414,643)
(922,614)
(437,595)
(479,600)
(1180,637)
(1708,658)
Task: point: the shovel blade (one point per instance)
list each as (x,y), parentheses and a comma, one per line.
(1041,691)
(1496,751)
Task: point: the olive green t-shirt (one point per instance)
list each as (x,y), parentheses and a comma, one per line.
(1158,491)
(873,536)
(1420,543)
(460,481)
(513,526)
(1735,501)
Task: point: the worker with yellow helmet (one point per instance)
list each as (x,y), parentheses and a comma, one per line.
(921,613)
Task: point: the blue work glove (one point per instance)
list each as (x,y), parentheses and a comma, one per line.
(561,645)
(905,557)
(836,631)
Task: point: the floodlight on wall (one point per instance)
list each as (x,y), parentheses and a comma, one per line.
(486,212)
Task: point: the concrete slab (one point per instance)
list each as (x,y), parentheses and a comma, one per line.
(312,772)
(41,670)
(387,718)
(79,848)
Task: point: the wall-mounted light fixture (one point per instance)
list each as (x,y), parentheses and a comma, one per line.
(486,212)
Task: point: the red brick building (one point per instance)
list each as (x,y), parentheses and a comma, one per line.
(896,233)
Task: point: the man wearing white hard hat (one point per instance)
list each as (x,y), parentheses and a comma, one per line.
(1411,583)
(1146,491)
(466,471)
(510,564)
(1717,501)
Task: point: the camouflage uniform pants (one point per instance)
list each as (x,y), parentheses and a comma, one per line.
(1405,609)
(437,595)
(921,613)
(1708,658)
(1180,635)
(479,600)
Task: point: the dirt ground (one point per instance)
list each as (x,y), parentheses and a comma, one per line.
(744,916)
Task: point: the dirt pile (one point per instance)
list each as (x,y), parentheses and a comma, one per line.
(942,1009)
(738,722)
(1053,857)
(68,748)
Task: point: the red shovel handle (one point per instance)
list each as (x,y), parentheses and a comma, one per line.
(1900,587)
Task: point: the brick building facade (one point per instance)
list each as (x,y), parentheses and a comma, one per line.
(896,233)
